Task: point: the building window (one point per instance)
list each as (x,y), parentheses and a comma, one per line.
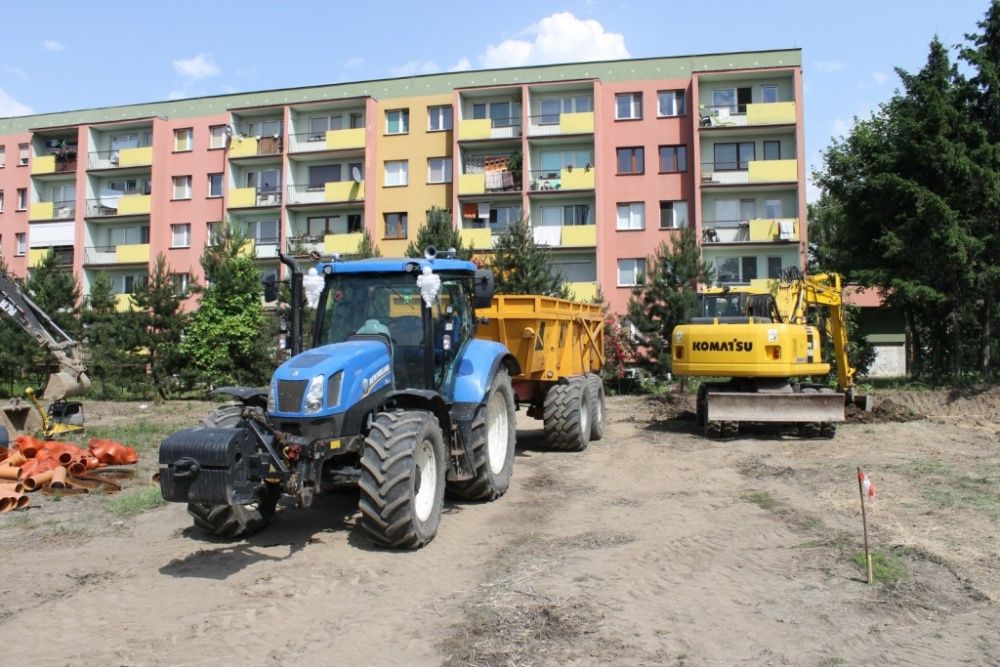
(439,119)
(673,214)
(772,208)
(183,139)
(566,216)
(181,283)
(217,136)
(320,226)
(395,225)
(3,156)
(396,172)
(214,233)
(673,158)
(772,150)
(180,236)
(769,93)
(22,199)
(397,121)
(439,170)
(22,158)
(182,187)
(735,269)
(22,244)
(215,185)
(631,216)
(734,157)
(553,107)
(628,106)
(1,201)
(733,99)
(774,268)
(631,272)
(631,160)
(272,127)
(670,103)
(131,186)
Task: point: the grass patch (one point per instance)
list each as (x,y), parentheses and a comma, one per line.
(887,568)
(145,433)
(136,501)
(947,487)
(761,499)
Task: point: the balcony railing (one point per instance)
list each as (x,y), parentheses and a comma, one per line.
(265,247)
(756,230)
(749,172)
(566,178)
(127,204)
(740,115)
(331,140)
(125,253)
(332,192)
(54,164)
(250,197)
(490,128)
(52,210)
(554,124)
(565,235)
(245,146)
(345,243)
(63,256)
(139,156)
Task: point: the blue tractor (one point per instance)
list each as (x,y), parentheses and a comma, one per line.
(396,396)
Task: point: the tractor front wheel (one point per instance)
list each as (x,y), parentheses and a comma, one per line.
(236,521)
(492,444)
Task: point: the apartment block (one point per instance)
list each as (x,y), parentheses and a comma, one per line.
(606,160)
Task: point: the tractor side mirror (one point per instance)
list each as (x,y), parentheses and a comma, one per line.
(270,289)
(482,289)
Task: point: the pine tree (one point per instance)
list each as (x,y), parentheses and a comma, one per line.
(163,322)
(520,266)
(367,247)
(665,296)
(16,347)
(56,291)
(112,340)
(439,232)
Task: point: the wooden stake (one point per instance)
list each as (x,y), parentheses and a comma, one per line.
(864,522)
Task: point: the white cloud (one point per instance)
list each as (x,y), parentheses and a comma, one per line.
(880,78)
(415,67)
(829,66)
(840,127)
(462,65)
(176,95)
(53,45)
(16,71)
(199,67)
(11,107)
(356,61)
(560,37)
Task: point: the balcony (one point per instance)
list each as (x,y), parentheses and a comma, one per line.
(253,197)
(566,236)
(550,125)
(328,193)
(131,253)
(261,248)
(52,210)
(64,256)
(331,140)
(54,164)
(761,230)
(119,205)
(492,182)
(255,146)
(748,115)
(583,291)
(567,178)
(124,303)
(489,128)
(139,156)
(752,172)
(477,239)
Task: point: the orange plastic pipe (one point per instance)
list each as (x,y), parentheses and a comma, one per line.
(15,459)
(9,472)
(11,487)
(38,480)
(58,480)
(4,504)
(22,502)
(12,501)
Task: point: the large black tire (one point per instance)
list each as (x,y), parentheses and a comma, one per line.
(566,417)
(597,406)
(402,479)
(809,429)
(494,434)
(827,429)
(229,415)
(236,521)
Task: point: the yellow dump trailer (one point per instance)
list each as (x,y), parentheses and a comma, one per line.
(559,346)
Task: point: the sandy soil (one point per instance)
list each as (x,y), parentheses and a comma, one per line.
(653,547)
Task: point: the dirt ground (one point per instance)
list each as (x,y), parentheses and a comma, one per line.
(655,546)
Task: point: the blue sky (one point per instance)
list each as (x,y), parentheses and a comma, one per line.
(62,54)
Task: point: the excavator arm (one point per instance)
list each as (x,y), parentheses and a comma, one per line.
(71,378)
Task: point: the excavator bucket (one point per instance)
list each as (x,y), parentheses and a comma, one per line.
(64,385)
(19,417)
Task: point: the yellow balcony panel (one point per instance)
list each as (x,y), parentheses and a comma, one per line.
(43,164)
(243,147)
(249,248)
(393,247)
(344,191)
(124,303)
(340,139)
(579,178)
(134,204)
(585,292)
(135,157)
(477,239)
(41,210)
(242,197)
(773,113)
(345,244)
(478,128)
(35,256)
(471,184)
(132,253)
(773,171)
(581,122)
(764,230)
(579,235)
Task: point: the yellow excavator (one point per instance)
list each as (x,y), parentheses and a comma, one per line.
(761,337)
(71,379)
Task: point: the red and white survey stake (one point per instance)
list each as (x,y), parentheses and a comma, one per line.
(866,488)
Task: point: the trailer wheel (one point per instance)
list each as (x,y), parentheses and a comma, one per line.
(566,417)
(596,406)
(493,442)
(402,479)
(236,521)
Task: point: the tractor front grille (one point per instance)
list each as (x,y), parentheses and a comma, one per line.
(290,394)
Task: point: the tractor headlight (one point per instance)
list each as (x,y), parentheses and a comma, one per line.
(272,398)
(314,395)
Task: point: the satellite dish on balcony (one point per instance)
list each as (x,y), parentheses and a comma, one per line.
(229,130)
(356,174)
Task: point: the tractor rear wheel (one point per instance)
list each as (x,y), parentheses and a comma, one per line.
(596,406)
(236,521)
(402,479)
(492,444)
(566,417)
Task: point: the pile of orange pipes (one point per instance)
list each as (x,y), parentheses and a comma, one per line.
(34,465)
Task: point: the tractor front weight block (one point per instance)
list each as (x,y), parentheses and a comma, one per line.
(215,466)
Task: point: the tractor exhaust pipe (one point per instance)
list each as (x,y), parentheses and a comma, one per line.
(296,324)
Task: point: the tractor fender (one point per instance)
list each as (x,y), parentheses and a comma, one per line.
(253,396)
(422,399)
(477,366)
